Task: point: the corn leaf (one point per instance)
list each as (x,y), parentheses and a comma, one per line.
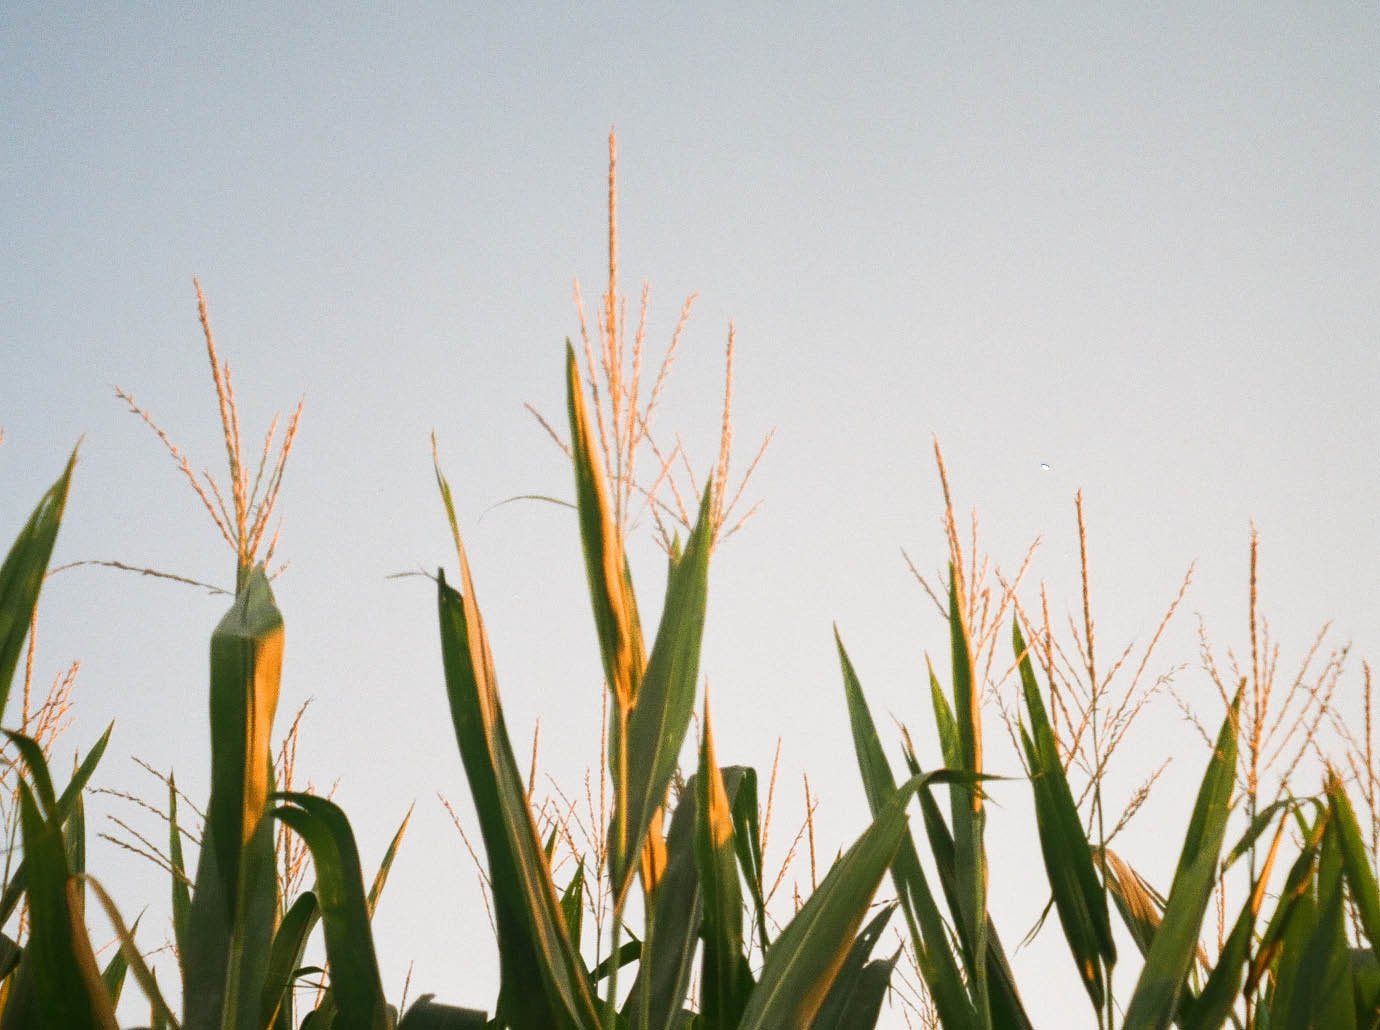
(234,905)
(62,810)
(542,979)
(725,981)
(965,805)
(855,999)
(927,931)
(801,966)
(386,864)
(1213,1006)
(181,890)
(572,903)
(672,928)
(1003,999)
(21,577)
(1078,894)
(426,1014)
(1355,861)
(1155,999)
(160,1014)
(660,716)
(747,839)
(285,958)
(68,989)
(355,983)
(1322,993)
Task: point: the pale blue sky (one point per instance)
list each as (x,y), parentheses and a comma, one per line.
(1143,248)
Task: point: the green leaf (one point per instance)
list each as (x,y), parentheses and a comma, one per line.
(426,1014)
(965,805)
(285,958)
(1355,861)
(668,949)
(234,905)
(725,982)
(1002,996)
(542,979)
(21,577)
(801,966)
(572,903)
(1078,894)
(661,710)
(63,809)
(355,983)
(181,889)
(161,1014)
(381,877)
(68,989)
(927,931)
(1214,1005)
(1322,996)
(855,999)
(1161,983)
(610,590)
(747,840)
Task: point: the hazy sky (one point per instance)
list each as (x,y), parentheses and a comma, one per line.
(1142,248)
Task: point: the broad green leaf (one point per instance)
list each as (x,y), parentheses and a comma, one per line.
(1322,995)
(801,966)
(1355,861)
(856,995)
(672,928)
(355,983)
(970,857)
(1293,917)
(927,931)
(234,905)
(1214,1005)
(68,989)
(426,1014)
(21,577)
(542,978)
(945,727)
(1078,894)
(660,716)
(113,976)
(285,958)
(1161,983)
(725,981)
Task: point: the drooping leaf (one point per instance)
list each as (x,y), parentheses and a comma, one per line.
(355,983)
(285,958)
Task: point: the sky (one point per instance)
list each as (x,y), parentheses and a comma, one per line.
(1141,248)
